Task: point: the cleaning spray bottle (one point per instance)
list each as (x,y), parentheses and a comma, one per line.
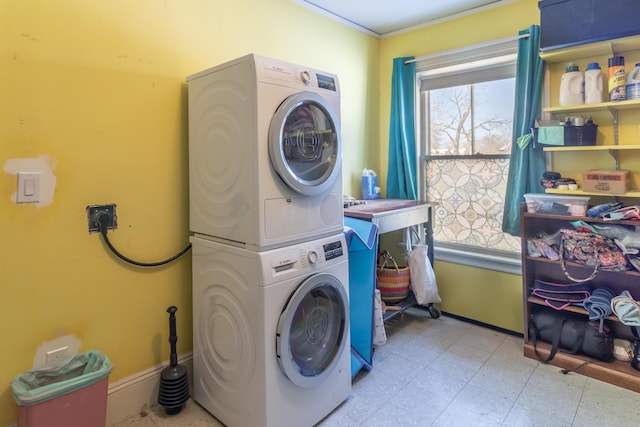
(617,86)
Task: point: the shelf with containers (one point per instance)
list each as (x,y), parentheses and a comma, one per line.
(618,121)
(617,372)
(619,136)
(613,150)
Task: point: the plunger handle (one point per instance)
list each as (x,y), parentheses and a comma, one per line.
(173,337)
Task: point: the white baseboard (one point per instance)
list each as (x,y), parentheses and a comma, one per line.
(130,396)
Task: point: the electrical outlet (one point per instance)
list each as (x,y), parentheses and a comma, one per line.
(94,212)
(55,356)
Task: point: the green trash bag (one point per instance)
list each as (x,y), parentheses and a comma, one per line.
(48,382)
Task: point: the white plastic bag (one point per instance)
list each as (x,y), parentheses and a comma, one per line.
(379,335)
(423,278)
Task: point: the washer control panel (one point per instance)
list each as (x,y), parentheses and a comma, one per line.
(306,257)
(332,250)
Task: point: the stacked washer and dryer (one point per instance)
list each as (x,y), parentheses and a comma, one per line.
(270,262)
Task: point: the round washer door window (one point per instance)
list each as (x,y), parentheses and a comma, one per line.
(312,330)
(304,143)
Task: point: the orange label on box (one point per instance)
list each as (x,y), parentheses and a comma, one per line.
(605,177)
(605,181)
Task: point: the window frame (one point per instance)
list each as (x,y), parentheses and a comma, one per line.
(483,56)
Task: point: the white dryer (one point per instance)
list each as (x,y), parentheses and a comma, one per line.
(271,343)
(265,153)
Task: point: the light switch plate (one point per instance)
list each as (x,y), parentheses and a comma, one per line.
(28,187)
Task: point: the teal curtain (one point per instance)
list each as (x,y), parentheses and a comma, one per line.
(401,176)
(527,163)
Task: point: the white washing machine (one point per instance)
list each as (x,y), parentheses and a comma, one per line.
(265,153)
(271,344)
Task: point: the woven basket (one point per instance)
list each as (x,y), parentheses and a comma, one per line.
(392,280)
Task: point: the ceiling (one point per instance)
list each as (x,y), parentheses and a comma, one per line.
(383,17)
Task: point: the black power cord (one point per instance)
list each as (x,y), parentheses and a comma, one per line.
(102,221)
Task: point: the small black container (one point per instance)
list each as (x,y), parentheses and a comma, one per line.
(585,135)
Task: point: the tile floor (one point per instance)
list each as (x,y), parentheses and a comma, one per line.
(446,372)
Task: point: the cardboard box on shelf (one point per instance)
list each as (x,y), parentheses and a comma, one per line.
(606,181)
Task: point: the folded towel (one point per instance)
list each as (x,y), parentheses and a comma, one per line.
(561,295)
(599,305)
(626,308)
(551,135)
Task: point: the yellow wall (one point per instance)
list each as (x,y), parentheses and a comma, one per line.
(96,91)
(486,296)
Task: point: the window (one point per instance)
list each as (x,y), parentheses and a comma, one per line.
(465,114)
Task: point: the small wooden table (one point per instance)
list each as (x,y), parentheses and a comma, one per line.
(398,214)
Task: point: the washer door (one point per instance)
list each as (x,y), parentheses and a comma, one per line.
(304,143)
(312,330)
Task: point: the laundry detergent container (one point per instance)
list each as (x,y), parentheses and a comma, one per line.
(70,394)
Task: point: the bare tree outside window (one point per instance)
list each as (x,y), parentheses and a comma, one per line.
(470,133)
(466,101)
(469,119)
(450,120)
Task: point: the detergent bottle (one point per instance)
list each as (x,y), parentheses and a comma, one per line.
(593,84)
(633,83)
(572,86)
(370,189)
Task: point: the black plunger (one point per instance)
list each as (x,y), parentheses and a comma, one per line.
(174,380)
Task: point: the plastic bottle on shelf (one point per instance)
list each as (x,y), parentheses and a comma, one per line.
(617,90)
(572,86)
(593,84)
(633,83)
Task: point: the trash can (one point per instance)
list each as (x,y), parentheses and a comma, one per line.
(70,394)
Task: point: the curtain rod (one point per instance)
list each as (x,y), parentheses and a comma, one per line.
(464,49)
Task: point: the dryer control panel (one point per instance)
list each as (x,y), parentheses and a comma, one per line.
(273,71)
